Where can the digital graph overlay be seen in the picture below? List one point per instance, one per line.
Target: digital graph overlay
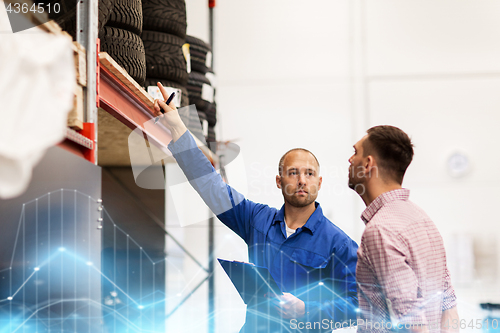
(59, 280)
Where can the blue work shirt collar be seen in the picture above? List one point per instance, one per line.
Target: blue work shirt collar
(311, 224)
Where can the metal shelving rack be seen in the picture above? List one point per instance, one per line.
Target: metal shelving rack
(105, 90)
(87, 12)
(211, 221)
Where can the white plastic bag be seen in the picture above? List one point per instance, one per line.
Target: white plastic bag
(37, 81)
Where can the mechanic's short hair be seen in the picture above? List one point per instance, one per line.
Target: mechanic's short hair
(282, 159)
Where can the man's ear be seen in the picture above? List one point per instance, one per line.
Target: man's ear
(371, 167)
(278, 181)
(320, 181)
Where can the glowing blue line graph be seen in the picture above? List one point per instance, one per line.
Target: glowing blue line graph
(44, 278)
(53, 253)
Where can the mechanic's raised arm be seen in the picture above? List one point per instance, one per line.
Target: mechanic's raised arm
(219, 197)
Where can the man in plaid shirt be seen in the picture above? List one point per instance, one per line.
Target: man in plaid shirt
(403, 281)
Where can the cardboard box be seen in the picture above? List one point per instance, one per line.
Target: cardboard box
(80, 55)
(75, 116)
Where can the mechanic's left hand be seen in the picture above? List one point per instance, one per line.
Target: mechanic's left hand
(290, 307)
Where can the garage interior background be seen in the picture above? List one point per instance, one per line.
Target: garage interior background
(317, 75)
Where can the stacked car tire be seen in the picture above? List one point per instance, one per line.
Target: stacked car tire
(146, 37)
(164, 33)
(66, 16)
(120, 26)
(211, 114)
(120, 38)
(201, 88)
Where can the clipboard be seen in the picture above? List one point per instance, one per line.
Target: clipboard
(254, 283)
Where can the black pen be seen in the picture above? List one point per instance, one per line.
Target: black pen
(167, 102)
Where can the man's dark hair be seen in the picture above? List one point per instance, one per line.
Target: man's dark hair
(282, 159)
(392, 148)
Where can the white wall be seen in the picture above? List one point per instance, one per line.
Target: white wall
(433, 69)
(317, 74)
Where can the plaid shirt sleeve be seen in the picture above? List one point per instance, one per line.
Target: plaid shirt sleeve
(449, 299)
(388, 252)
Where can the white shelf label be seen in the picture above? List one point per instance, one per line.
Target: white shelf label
(154, 91)
(208, 61)
(205, 128)
(212, 78)
(207, 93)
